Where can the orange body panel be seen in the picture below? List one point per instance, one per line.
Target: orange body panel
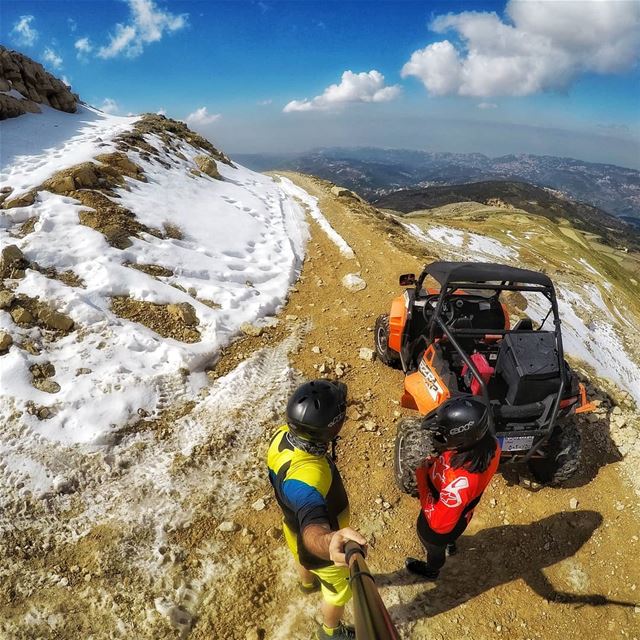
(424, 390)
(397, 318)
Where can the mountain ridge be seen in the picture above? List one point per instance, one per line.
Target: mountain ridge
(374, 172)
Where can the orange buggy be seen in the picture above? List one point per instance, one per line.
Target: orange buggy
(457, 339)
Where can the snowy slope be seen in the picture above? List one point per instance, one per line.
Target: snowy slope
(242, 244)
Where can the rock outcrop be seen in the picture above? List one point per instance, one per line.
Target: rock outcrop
(33, 85)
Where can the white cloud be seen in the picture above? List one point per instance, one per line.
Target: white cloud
(52, 58)
(148, 24)
(66, 80)
(109, 105)
(353, 87)
(23, 31)
(161, 112)
(83, 47)
(539, 46)
(73, 25)
(201, 116)
(264, 103)
(487, 105)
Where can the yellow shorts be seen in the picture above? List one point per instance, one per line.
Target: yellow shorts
(334, 581)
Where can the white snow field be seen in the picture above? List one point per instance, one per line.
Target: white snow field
(590, 331)
(242, 246)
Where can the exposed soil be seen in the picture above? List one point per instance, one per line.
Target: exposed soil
(160, 318)
(530, 566)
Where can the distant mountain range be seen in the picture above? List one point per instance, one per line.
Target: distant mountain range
(374, 172)
(519, 195)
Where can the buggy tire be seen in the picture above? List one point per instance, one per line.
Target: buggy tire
(413, 445)
(563, 451)
(386, 355)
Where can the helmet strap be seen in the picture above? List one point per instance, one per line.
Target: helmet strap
(308, 446)
(334, 442)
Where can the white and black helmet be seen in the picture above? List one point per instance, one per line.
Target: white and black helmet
(459, 423)
(316, 410)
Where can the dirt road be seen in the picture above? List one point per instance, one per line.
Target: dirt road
(530, 566)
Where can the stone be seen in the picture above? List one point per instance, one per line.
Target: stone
(616, 411)
(275, 533)
(6, 299)
(47, 385)
(207, 165)
(366, 354)
(343, 192)
(24, 200)
(85, 176)
(291, 318)
(21, 315)
(183, 312)
(5, 341)
(82, 371)
(316, 349)
(228, 527)
(54, 320)
(573, 503)
(258, 505)
(60, 184)
(370, 425)
(251, 330)
(12, 262)
(353, 282)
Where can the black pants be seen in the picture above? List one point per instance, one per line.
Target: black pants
(435, 544)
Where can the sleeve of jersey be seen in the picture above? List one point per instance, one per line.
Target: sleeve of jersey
(445, 514)
(305, 491)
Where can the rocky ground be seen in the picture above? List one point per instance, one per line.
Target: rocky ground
(536, 563)
(191, 546)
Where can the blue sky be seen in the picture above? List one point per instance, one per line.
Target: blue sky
(520, 77)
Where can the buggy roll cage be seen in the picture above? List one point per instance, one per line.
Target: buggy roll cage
(453, 276)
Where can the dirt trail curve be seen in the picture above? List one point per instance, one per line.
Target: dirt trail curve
(530, 566)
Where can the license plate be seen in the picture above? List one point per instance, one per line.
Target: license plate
(516, 443)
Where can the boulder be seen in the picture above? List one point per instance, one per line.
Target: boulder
(54, 320)
(251, 330)
(85, 177)
(34, 83)
(367, 354)
(6, 299)
(60, 184)
(353, 282)
(12, 262)
(342, 192)
(23, 200)
(46, 385)
(207, 165)
(183, 312)
(21, 315)
(5, 341)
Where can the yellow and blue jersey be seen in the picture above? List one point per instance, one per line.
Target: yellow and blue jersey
(308, 489)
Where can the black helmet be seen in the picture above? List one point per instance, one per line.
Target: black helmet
(459, 423)
(316, 410)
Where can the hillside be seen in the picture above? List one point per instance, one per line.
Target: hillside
(158, 304)
(375, 172)
(517, 195)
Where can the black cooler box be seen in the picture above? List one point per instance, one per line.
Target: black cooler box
(528, 363)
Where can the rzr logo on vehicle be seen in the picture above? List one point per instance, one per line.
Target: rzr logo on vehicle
(450, 495)
(433, 387)
(462, 428)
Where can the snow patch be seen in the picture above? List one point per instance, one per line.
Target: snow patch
(314, 211)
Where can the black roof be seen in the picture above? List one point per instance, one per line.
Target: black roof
(445, 272)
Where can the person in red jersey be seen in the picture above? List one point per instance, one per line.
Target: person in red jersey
(451, 483)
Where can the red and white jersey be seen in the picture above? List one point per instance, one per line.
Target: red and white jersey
(457, 491)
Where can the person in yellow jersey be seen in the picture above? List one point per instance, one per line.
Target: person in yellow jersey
(314, 503)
